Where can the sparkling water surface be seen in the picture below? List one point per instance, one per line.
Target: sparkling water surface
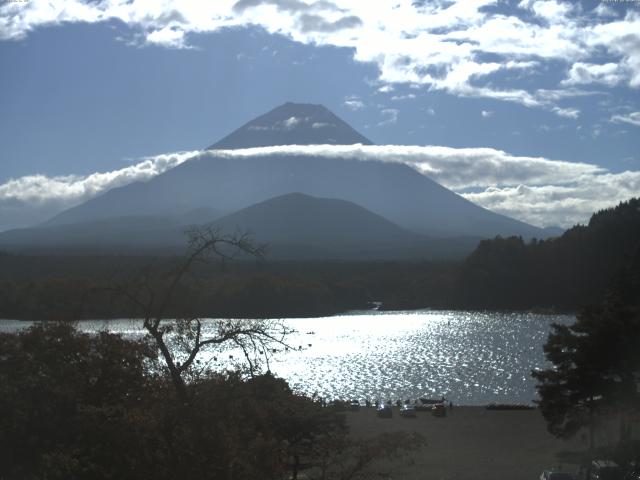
(471, 358)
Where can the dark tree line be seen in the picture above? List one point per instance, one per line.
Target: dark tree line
(240, 290)
(562, 273)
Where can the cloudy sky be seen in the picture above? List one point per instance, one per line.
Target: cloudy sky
(530, 108)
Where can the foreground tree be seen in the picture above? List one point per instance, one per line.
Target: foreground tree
(596, 362)
(181, 340)
(74, 405)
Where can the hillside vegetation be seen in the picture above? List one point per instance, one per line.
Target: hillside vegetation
(560, 274)
(564, 273)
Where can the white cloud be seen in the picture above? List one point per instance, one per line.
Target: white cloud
(540, 98)
(560, 205)
(567, 112)
(168, 37)
(408, 96)
(631, 119)
(621, 40)
(354, 104)
(486, 113)
(603, 10)
(34, 198)
(584, 73)
(40, 188)
(549, 10)
(390, 116)
(536, 190)
(456, 168)
(439, 45)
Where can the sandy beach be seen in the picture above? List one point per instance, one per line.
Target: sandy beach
(471, 443)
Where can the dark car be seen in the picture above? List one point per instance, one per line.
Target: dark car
(439, 410)
(408, 411)
(384, 411)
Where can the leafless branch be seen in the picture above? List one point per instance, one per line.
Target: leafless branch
(153, 295)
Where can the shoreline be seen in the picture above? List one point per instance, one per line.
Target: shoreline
(337, 313)
(470, 443)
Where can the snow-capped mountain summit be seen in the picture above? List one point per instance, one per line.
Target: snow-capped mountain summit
(292, 124)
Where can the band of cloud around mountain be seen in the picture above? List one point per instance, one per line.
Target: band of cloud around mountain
(306, 149)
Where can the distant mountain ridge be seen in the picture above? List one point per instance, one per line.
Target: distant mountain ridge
(298, 226)
(303, 218)
(294, 226)
(226, 184)
(126, 233)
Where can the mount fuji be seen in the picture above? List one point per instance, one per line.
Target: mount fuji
(210, 186)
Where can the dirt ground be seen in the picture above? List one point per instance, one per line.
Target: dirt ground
(472, 443)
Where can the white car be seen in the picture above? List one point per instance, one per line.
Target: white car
(553, 474)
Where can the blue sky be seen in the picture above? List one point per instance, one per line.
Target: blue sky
(91, 91)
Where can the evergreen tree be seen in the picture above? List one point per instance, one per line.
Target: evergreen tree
(596, 361)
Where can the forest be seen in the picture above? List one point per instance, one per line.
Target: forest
(560, 274)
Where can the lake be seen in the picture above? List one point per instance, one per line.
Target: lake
(471, 358)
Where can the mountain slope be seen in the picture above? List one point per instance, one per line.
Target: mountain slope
(299, 218)
(110, 234)
(298, 226)
(394, 191)
(228, 183)
(294, 226)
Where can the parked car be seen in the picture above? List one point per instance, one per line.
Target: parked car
(605, 470)
(384, 411)
(354, 405)
(439, 410)
(554, 474)
(408, 411)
